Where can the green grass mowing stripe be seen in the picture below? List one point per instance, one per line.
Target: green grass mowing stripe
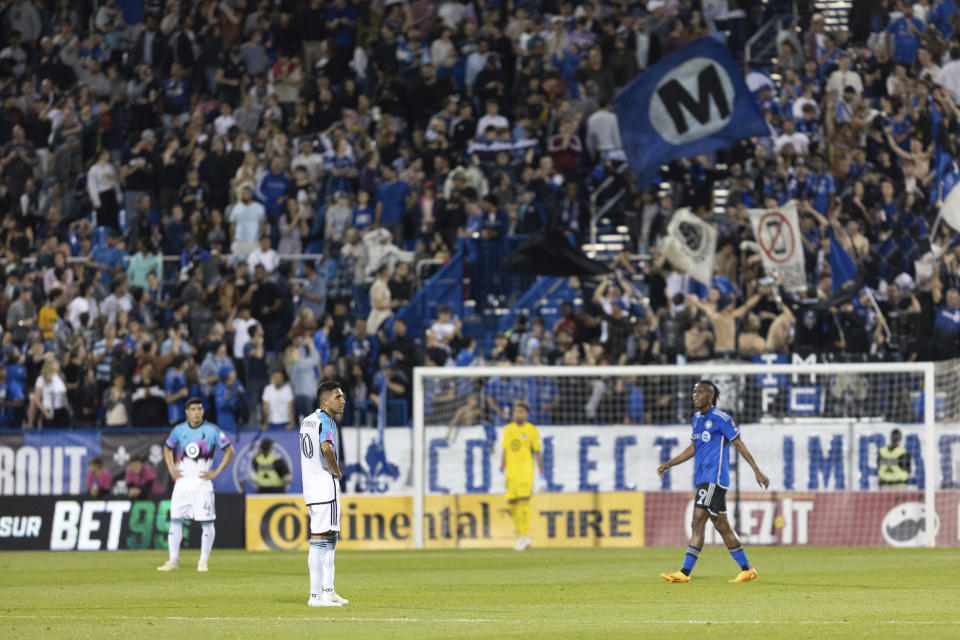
(543, 593)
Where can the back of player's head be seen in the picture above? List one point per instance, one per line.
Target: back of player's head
(325, 388)
(194, 400)
(265, 445)
(716, 391)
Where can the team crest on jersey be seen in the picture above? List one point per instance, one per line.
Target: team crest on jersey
(709, 424)
(192, 450)
(705, 436)
(523, 436)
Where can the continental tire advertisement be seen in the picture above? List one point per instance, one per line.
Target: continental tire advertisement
(89, 524)
(465, 522)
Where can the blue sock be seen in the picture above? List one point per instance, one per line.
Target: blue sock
(740, 557)
(689, 560)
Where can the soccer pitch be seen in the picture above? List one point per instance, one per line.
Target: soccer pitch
(592, 593)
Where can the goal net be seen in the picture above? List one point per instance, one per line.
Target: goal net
(816, 430)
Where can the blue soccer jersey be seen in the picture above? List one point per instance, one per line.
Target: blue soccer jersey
(711, 436)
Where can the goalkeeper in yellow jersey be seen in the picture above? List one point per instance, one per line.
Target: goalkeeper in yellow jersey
(521, 443)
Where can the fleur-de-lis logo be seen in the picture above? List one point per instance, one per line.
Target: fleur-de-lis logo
(372, 476)
(121, 456)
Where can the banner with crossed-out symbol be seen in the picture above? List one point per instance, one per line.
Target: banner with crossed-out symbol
(777, 232)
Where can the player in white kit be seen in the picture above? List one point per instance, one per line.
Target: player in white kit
(321, 491)
(188, 452)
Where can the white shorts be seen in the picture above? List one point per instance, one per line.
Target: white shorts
(192, 505)
(325, 516)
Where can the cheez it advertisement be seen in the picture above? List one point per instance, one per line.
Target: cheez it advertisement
(473, 521)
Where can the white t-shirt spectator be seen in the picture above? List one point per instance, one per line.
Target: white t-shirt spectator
(222, 124)
(840, 80)
(269, 259)
(442, 331)
(54, 393)
(799, 141)
(950, 79)
(312, 162)
(112, 305)
(278, 403)
(603, 132)
(451, 13)
(79, 306)
(497, 121)
(247, 217)
(798, 105)
(241, 335)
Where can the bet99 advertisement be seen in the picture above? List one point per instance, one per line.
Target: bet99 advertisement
(88, 524)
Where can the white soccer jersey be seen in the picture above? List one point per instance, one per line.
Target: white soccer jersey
(319, 486)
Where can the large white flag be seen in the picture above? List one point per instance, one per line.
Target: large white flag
(950, 209)
(690, 245)
(777, 231)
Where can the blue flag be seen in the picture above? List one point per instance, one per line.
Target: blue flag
(693, 101)
(842, 267)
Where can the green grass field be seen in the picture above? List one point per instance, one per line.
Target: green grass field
(802, 593)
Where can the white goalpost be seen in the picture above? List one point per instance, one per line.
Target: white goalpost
(815, 430)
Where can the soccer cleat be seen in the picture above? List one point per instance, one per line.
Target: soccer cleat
(202, 566)
(337, 598)
(325, 600)
(676, 576)
(746, 576)
(523, 542)
(169, 565)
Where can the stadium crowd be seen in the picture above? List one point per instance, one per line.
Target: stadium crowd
(233, 136)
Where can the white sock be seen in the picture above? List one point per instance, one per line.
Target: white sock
(315, 564)
(174, 538)
(328, 569)
(206, 540)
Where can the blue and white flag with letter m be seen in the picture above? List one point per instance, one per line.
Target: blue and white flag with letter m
(693, 101)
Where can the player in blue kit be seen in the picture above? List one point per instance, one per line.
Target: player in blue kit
(713, 431)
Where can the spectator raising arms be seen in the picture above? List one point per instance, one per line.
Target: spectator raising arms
(220, 142)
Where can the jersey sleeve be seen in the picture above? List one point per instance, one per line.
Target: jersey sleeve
(728, 428)
(503, 440)
(327, 430)
(535, 440)
(222, 440)
(171, 440)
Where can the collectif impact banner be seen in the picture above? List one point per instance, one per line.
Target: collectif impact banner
(813, 456)
(109, 524)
